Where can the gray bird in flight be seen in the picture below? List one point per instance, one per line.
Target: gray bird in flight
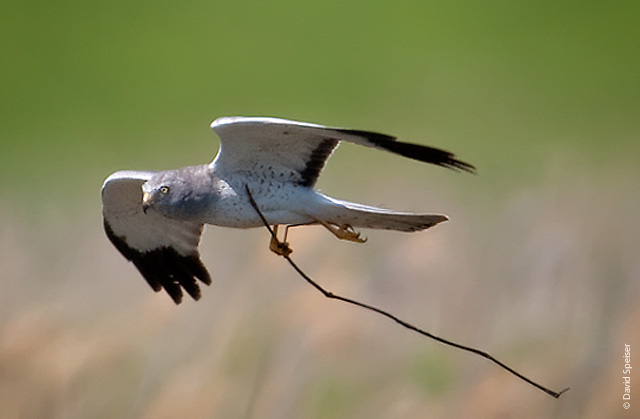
(155, 219)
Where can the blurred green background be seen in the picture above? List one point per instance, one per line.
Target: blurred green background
(539, 265)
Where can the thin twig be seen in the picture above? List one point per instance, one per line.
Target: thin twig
(409, 326)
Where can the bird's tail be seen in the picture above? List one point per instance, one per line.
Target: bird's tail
(335, 211)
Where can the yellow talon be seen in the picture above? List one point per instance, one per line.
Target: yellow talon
(344, 232)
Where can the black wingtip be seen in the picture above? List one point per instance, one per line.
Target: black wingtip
(173, 272)
(164, 268)
(413, 151)
(428, 154)
(455, 164)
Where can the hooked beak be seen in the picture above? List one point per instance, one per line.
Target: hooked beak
(145, 202)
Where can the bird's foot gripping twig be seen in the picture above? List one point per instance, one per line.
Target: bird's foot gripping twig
(388, 315)
(280, 248)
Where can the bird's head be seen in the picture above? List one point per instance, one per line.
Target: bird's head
(175, 193)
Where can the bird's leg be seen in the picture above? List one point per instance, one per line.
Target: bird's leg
(278, 247)
(282, 247)
(288, 226)
(286, 232)
(344, 232)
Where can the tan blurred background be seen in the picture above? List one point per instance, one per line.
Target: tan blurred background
(539, 264)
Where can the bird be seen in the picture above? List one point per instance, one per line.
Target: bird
(155, 218)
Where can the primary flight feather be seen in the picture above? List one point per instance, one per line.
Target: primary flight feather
(155, 219)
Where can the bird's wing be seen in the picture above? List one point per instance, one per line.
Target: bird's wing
(164, 250)
(297, 151)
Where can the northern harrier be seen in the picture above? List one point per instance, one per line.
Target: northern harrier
(155, 219)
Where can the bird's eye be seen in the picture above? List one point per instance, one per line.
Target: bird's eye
(164, 190)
